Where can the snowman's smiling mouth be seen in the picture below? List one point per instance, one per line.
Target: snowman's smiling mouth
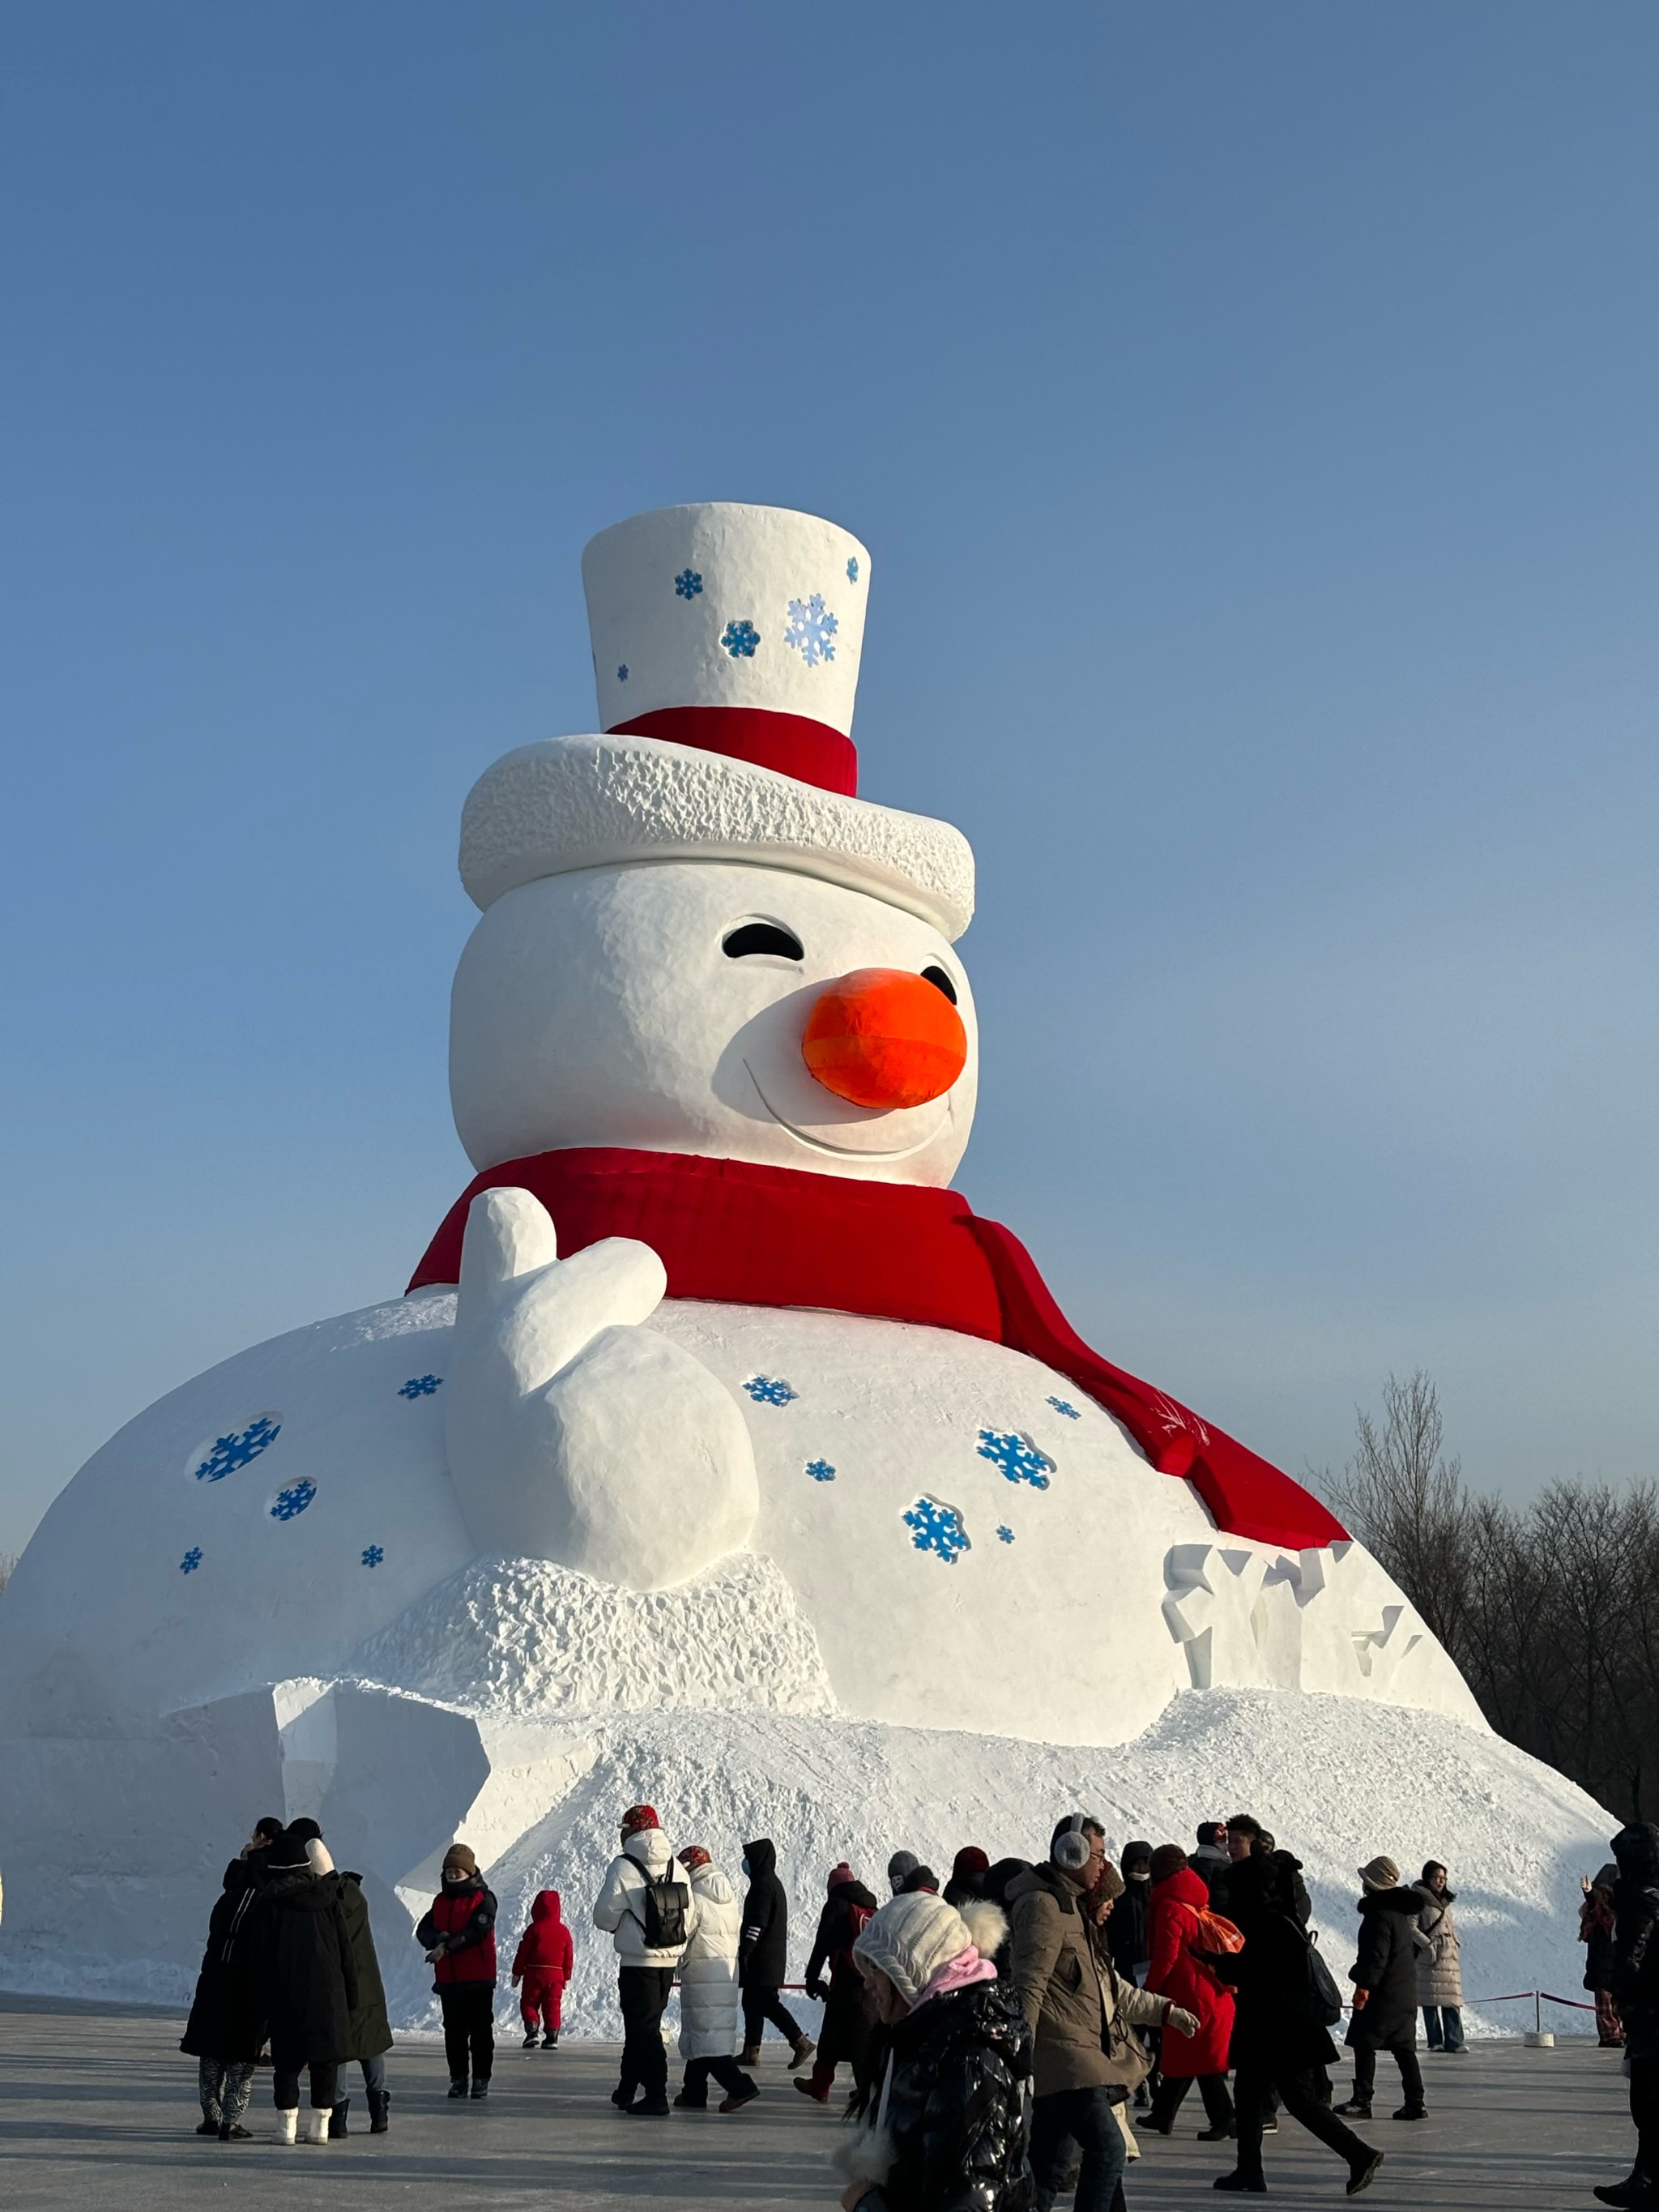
(849, 1152)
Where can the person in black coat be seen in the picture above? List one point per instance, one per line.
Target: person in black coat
(1635, 1984)
(370, 2030)
(848, 2017)
(307, 1979)
(1281, 2045)
(944, 2128)
(762, 1957)
(1384, 1977)
(224, 2031)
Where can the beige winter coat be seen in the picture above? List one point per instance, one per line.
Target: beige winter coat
(1079, 2011)
(1439, 1971)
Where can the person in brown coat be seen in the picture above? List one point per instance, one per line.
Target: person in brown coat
(1086, 2059)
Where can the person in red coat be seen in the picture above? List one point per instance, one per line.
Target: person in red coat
(1179, 1895)
(542, 1966)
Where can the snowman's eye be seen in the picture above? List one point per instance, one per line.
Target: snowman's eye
(940, 982)
(762, 937)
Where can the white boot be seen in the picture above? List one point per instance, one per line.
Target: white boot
(317, 2125)
(286, 2124)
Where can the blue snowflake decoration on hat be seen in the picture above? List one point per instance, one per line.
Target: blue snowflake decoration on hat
(811, 630)
(769, 1390)
(852, 570)
(740, 638)
(1061, 1406)
(937, 1528)
(372, 1555)
(420, 1385)
(688, 583)
(820, 1470)
(192, 1560)
(621, 671)
(1005, 1533)
(1018, 1456)
(288, 1504)
(236, 1450)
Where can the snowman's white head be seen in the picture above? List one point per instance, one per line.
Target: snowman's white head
(695, 939)
(665, 1006)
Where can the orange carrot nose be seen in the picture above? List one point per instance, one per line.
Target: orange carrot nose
(883, 1038)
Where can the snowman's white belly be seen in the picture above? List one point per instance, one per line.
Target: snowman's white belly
(326, 1507)
(975, 1543)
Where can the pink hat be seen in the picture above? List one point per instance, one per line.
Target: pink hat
(839, 1875)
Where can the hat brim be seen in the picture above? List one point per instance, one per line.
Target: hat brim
(597, 801)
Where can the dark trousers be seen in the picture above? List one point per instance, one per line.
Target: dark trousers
(1299, 2093)
(468, 2010)
(1364, 2070)
(642, 1993)
(726, 2071)
(285, 2086)
(758, 2007)
(1083, 2117)
(1442, 2026)
(1171, 2092)
(1645, 2110)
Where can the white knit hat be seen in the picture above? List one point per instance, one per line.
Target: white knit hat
(909, 1939)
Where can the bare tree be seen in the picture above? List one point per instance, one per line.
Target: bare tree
(1551, 1610)
(1406, 1502)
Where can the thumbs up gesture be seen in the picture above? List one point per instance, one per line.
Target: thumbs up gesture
(574, 1432)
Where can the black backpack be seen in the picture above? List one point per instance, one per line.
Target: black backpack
(664, 1917)
(1320, 1999)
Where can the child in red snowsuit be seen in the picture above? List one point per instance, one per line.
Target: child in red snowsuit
(543, 1963)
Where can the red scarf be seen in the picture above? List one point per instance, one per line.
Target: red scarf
(742, 1235)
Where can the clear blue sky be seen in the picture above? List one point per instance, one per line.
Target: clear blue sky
(1252, 411)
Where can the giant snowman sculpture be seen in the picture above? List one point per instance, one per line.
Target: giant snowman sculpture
(717, 1454)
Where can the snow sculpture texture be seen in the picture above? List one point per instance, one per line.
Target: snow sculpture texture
(718, 1444)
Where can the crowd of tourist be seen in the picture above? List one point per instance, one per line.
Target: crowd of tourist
(1004, 2030)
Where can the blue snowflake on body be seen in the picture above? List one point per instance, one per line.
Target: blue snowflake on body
(937, 1528)
(688, 583)
(811, 630)
(1018, 1456)
(852, 570)
(288, 1504)
(373, 1555)
(192, 1560)
(228, 1453)
(740, 638)
(420, 1385)
(820, 1470)
(1070, 1412)
(769, 1390)
(621, 671)
(1005, 1533)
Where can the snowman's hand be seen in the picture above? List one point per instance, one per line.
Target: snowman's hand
(538, 1310)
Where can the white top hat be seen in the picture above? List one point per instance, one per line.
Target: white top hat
(726, 642)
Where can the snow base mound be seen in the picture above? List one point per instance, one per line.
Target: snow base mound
(525, 1637)
(394, 1777)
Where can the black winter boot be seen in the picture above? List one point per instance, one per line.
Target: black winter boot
(1246, 2184)
(337, 2120)
(379, 2114)
(457, 2084)
(1635, 2195)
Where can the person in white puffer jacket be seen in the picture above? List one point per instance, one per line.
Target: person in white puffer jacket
(645, 1976)
(710, 2000)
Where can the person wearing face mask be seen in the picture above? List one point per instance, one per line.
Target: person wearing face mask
(763, 1958)
(1087, 2058)
(458, 1937)
(1129, 1939)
